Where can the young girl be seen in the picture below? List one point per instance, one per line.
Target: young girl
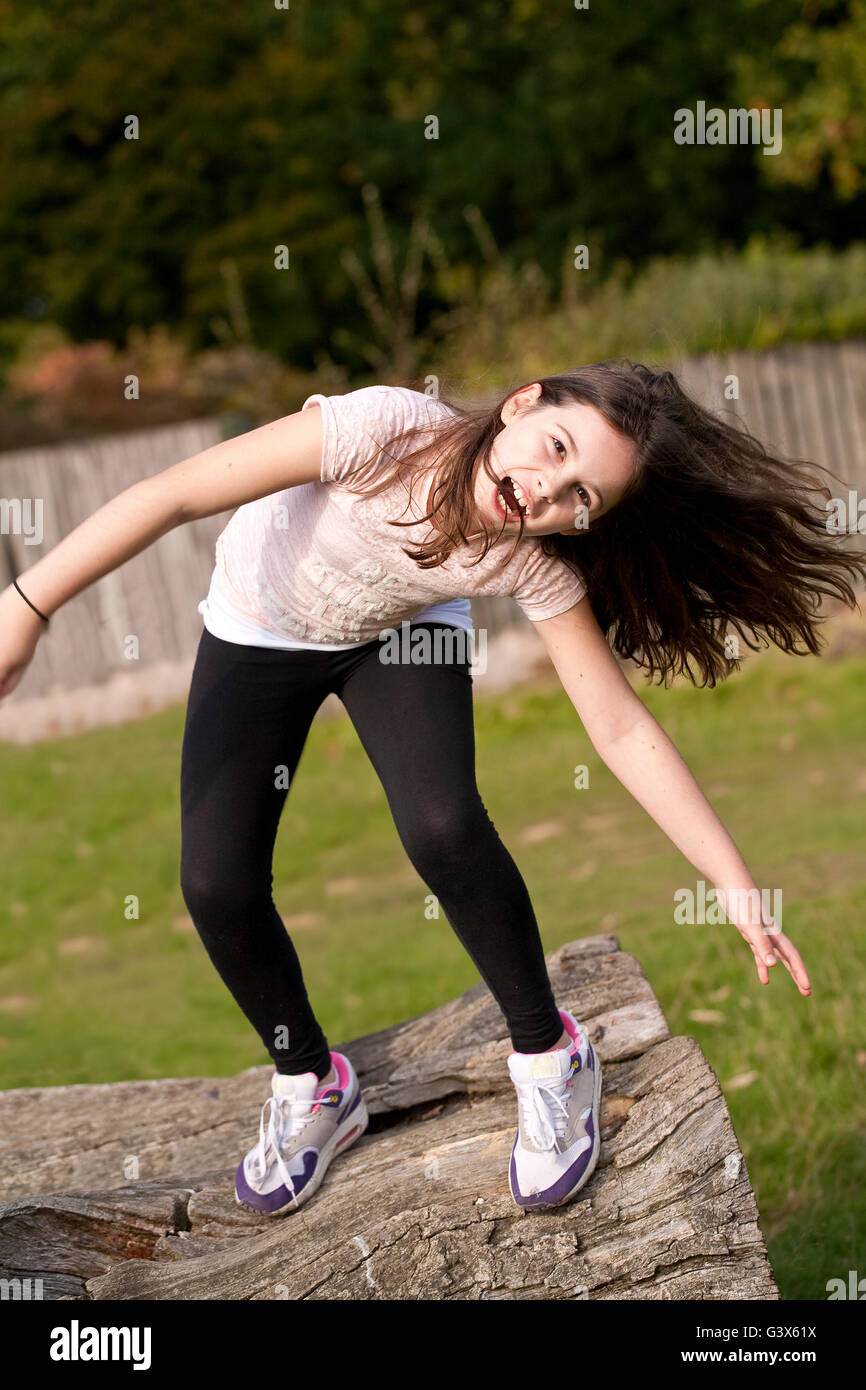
(617, 512)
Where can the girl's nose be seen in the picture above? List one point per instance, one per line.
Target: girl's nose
(550, 491)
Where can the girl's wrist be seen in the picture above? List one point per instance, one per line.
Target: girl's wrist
(43, 617)
(19, 608)
(743, 903)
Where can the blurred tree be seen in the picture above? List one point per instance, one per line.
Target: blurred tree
(258, 128)
(818, 79)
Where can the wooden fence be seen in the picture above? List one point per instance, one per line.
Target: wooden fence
(804, 400)
(154, 595)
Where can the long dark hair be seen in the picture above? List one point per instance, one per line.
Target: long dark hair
(711, 533)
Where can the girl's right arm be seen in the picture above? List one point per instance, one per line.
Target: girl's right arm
(266, 460)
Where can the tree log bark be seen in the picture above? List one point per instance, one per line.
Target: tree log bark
(125, 1191)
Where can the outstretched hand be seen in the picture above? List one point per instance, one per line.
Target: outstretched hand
(768, 942)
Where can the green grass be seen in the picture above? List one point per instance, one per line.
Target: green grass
(91, 992)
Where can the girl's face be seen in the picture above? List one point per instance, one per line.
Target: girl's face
(567, 466)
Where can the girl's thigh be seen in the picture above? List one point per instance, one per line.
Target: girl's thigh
(248, 715)
(415, 722)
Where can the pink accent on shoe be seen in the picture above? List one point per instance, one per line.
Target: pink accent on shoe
(570, 1028)
(341, 1082)
(346, 1137)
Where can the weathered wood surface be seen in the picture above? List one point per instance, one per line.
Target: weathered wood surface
(419, 1208)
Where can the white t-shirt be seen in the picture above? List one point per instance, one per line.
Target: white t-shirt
(317, 565)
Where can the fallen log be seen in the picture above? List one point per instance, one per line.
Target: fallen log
(125, 1191)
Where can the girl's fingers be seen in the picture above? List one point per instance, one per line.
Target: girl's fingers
(762, 965)
(769, 948)
(790, 957)
(793, 962)
(764, 952)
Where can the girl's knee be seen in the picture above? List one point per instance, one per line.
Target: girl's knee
(214, 892)
(443, 836)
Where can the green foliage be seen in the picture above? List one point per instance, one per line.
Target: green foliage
(771, 292)
(504, 324)
(260, 127)
(56, 390)
(818, 78)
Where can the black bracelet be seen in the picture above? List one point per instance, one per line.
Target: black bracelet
(45, 620)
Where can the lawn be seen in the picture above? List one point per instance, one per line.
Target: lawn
(103, 978)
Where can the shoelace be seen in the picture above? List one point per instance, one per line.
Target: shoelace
(543, 1124)
(288, 1124)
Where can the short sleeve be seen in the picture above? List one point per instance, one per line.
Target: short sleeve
(355, 426)
(547, 586)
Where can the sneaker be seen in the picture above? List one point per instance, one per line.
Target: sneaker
(310, 1122)
(557, 1143)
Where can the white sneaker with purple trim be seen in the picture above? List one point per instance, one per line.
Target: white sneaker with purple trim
(309, 1124)
(558, 1097)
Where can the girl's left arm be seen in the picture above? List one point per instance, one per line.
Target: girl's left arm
(639, 753)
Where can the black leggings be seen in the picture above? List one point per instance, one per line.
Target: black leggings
(249, 712)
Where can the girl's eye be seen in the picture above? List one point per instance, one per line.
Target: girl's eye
(577, 487)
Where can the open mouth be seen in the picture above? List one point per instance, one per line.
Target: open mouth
(507, 503)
